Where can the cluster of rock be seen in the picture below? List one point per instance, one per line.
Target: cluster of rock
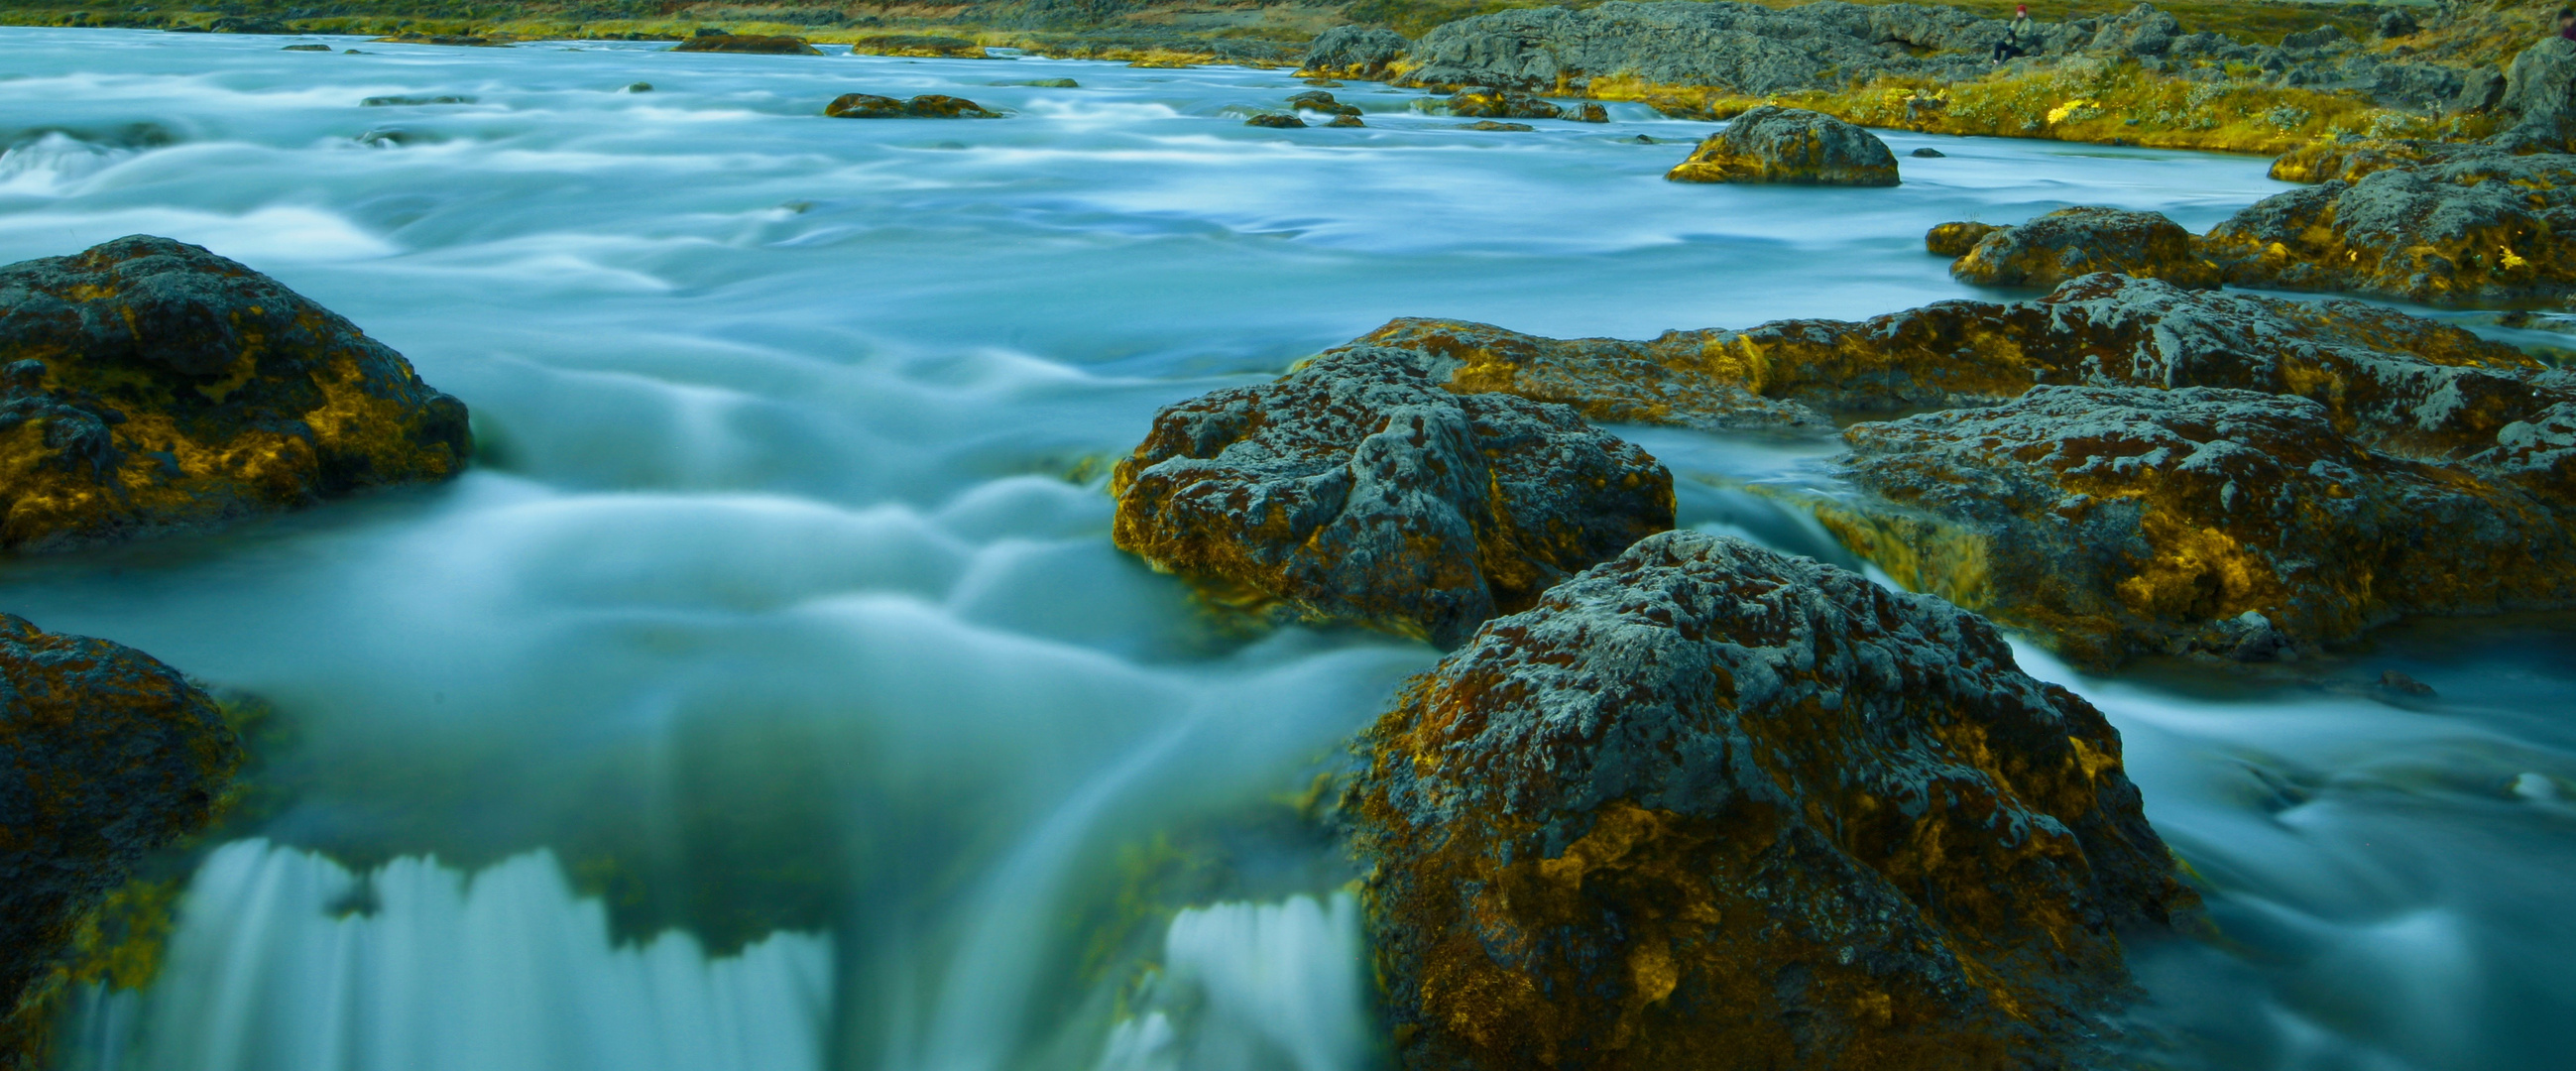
(1487, 102)
(1755, 50)
(925, 106)
(2473, 224)
(149, 386)
(1671, 794)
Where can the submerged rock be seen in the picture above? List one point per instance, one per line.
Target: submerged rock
(1346, 121)
(1488, 124)
(1927, 152)
(1706, 804)
(1485, 102)
(109, 754)
(763, 44)
(2074, 242)
(2136, 519)
(1353, 52)
(925, 46)
(148, 385)
(926, 106)
(2484, 226)
(1279, 121)
(1357, 488)
(1790, 145)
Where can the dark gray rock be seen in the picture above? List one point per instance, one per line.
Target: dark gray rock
(1790, 145)
(2480, 90)
(2540, 91)
(1358, 488)
(148, 385)
(1316, 100)
(1276, 121)
(105, 754)
(1353, 52)
(1927, 153)
(1685, 806)
(2396, 22)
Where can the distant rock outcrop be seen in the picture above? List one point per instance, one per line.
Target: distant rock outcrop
(108, 754)
(148, 385)
(924, 46)
(1790, 145)
(926, 106)
(1708, 804)
(1353, 52)
(1357, 488)
(2074, 242)
(762, 44)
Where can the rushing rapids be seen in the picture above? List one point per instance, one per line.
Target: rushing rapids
(769, 693)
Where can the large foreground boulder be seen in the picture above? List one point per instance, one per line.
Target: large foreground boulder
(105, 754)
(1706, 805)
(1357, 489)
(2074, 242)
(2131, 520)
(1790, 145)
(148, 385)
(2487, 226)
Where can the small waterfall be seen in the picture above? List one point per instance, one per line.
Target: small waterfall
(1253, 987)
(285, 961)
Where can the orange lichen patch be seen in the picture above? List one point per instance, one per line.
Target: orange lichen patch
(1665, 817)
(152, 386)
(1955, 239)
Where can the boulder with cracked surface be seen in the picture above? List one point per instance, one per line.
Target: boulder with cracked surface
(1710, 805)
(2073, 242)
(2129, 520)
(2484, 226)
(1790, 145)
(1353, 52)
(1359, 488)
(147, 385)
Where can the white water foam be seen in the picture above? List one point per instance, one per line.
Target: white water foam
(276, 969)
(1253, 987)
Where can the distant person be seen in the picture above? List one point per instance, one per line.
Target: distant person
(2567, 23)
(2015, 35)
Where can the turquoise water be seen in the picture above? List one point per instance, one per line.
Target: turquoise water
(769, 696)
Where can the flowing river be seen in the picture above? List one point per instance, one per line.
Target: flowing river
(769, 696)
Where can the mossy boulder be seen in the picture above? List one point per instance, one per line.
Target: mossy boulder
(2482, 227)
(1358, 53)
(926, 106)
(1706, 805)
(105, 754)
(1276, 121)
(1955, 239)
(2129, 520)
(2074, 242)
(147, 385)
(1790, 145)
(1357, 488)
(760, 44)
(923, 46)
(1490, 126)
(1316, 100)
(1487, 102)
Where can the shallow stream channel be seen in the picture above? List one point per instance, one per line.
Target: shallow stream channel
(769, 697)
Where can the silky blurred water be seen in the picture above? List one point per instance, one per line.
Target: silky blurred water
(780, 618)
